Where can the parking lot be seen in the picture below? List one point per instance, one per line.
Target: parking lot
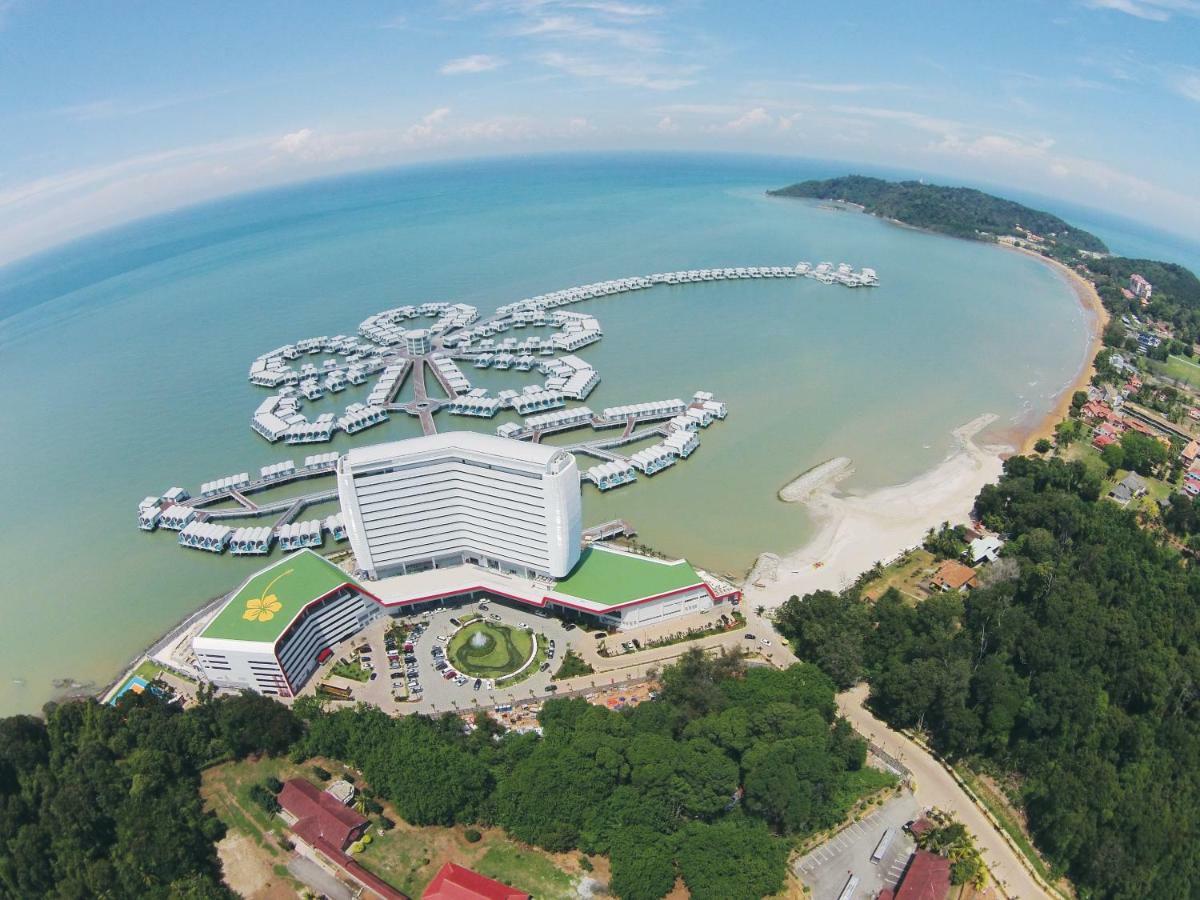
(828, 868)
(420, 672)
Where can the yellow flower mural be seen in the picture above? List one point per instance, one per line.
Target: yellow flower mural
(263, 609)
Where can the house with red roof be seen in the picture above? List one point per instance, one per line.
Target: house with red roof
(328, 826)
(454, 882)
(926, 878)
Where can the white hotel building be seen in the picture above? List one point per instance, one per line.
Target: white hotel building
(461, 497)
(449, 518)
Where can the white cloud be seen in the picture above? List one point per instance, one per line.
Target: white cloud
(294, 142)
(1187, 84)
(666, 125)
(753, 118)
(394, 23)
(1151, 10)
(654, 77)
(471, 65)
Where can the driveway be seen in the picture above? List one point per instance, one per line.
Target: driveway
(935, 787)
(826, 869)
(309, 873)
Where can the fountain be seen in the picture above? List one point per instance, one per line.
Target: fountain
(479, 640)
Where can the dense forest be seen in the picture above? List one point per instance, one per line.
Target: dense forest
(1074, 670)
(655, 788)
(103, 801)
(958, 211)
(99, 801)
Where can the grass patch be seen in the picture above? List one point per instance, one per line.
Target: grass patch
(1178, 368)
(999, 807)
(573, 666)
(905, 575)
(526, 870)
(540, 657)
(501, 649)
(226, 789)
(353, 671)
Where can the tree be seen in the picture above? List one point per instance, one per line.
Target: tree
(736, 859)
(642, 864)
(1042, 446)
(1142, 453)
(827, 630)
(1113, 456)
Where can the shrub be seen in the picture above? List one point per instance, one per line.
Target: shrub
(472, 835)
(585, 864)
(322, 774)
(261, 795)
(1042, 446)
(274, 785)
(356, 847)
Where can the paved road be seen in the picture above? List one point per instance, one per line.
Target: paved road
(310, 873)
(827, 868)
(935, 787)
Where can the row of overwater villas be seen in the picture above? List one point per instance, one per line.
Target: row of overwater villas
(677, 445)
(451, 374)
(272, 368)
(843, 274)
(465, 344)
(389, 381)
(649, 411)
(384, 328)
(279, 417)
(151, 509)
(558, 420)
(215, 537)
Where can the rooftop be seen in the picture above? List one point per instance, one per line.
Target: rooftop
(612, 577)
(455, 882)
(462, 441)
(263, 607)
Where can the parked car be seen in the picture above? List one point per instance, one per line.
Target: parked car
(765, 642)
(543, 667)
(570, 626)
(442, 667)
(374, 675)
(751, 637)
(552, 688)
(396, 675)
(494, 616)
(478, 683)
(483, 607)
(455, 622)
(443, 638)
(524, 625)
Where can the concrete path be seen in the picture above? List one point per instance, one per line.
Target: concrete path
(317, 879)
(935, 787)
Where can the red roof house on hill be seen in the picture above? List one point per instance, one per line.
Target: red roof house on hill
(926, 878)
(320, 818)
(453, 882)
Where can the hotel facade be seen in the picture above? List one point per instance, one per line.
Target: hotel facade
(440, 520)
(461, 498)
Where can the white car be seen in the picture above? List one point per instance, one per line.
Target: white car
(765, 642)
(443, 638)
(523, 625)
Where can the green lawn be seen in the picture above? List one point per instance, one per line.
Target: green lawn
(502, 649)
(1179, 368)
(351, 670)
(527, 870)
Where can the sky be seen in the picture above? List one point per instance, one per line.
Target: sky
(113, 111)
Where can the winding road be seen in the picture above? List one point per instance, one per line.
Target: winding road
(935, 787)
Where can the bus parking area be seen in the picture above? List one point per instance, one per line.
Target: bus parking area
(829, 869)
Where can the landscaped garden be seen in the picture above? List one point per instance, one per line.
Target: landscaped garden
(488, 650)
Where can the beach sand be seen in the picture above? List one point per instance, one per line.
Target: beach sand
(858, 530)
(1090, 301)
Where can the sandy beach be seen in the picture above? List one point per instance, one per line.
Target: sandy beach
(858, 530)
(1090, 301)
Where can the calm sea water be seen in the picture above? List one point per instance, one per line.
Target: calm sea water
(126, 355)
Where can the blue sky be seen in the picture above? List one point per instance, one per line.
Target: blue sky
(111, 111)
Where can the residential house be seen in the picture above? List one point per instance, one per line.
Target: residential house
(1129, 488)
(984, 549)
(1190, 452)
(952, 575)
(1141, 288)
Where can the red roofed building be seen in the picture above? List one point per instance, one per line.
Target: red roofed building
(320, 817)
(926, 878)
(453, 882)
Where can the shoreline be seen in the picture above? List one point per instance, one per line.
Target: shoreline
(1089, 300)
(857, 530)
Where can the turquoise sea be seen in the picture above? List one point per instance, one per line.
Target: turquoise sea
(125, 356)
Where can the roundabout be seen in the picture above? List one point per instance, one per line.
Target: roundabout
(488, 650)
